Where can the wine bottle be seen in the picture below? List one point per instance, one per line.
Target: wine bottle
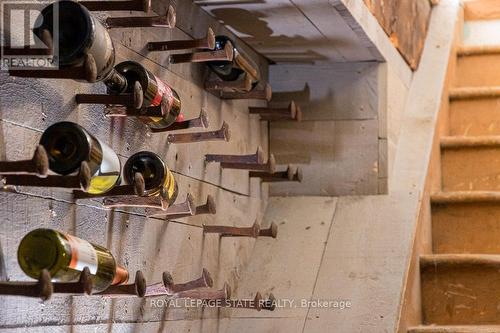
(154, 89)
(157, 176)
(68, 145)
(232, 70)
(79, 34)
(65, 256)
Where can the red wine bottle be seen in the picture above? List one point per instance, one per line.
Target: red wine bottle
(154, 89)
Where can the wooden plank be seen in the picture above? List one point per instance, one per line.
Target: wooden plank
(324, 151)
(405, 22)
(334, 92)
(271, 28)
(481, 10)
(273, 268)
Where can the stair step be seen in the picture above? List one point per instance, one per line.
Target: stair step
(456, 329)
(477, 116)
(474, 92)
(482, 10)
(477, 66)
(471, 50)
(460, 289)
(466, 222)
(470, 163)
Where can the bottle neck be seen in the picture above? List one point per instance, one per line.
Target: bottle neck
(116, 82)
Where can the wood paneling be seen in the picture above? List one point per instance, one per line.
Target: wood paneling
(405, 22)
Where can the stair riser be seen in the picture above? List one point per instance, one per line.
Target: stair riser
(478, 70)
(461, 294)
(466, 228)
(471, 169)
(475, 117)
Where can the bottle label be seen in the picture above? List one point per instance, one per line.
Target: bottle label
(170, 184)
(163, 92)
(83, 254)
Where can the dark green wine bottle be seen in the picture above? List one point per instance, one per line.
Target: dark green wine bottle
(65, 256)
(154, 89)
(157, 176)
(79, 34)
(232, 70)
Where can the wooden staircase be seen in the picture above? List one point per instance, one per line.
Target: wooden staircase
(460, 279)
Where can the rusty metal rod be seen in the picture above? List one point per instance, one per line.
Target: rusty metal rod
(220, 55)
(149, 111)
(180, 210)
(282, 116)
(206, 294)
(78, 181)
(87, 72)
(207, 42)
(205, 281)
(162, 21)
(208, 208)
(37, 165)
(200, 121)
(258, 157)
(264, 94)
(156, 202)
(272, 231)
(43, 288)
(255, 303)
(289, 111)
(240, 85)
(281, 176)
(133, 100)
(230, 231)
(120, 5)
(221, 134)
(254, 231)
(270, 166)
(137, 188)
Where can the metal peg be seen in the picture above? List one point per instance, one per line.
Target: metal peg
(162, 21)
(222, 134)
(78, 181)
(37, 165)
(200, 121)
(207, 42)
(225, 54)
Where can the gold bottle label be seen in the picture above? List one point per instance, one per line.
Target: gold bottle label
(83, 254)
(170, 184)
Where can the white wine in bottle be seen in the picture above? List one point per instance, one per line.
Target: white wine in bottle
(157, 176)
(68, 145)
(65, 256)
